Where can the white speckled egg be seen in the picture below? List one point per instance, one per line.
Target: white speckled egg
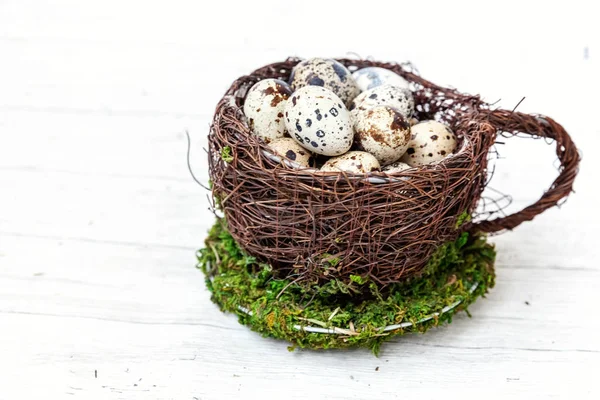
(384, 95)
(358, 162)
(383, 132)
(371, 77)
(398, 166)
(288, 148)
(431, 141)
(327, 73)
(264, 106)
(318, 119)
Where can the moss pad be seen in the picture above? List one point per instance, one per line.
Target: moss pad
(344, 314)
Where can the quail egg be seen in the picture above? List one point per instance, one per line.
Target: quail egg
(327, 73)
(264, 106)
(398, 166)
(319, 121)
(371, 77)
(383, 132)
(290, 149)
(358, 162)
(431, 141)
(399, 98)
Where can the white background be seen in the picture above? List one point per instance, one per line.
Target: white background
(99, 219)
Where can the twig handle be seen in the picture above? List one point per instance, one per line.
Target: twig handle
(568, 155)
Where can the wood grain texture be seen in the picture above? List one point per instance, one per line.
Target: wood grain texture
(99, 219)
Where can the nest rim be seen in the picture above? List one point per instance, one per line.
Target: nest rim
(235, 97)
(377, 177)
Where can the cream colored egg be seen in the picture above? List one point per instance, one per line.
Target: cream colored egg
(290, 149)
(431, 141)
(384, 95)
(319, 121)
(398, 166)
(358, 162)
(327, 73)
(264, 107)
(383, 132)
(371, 77)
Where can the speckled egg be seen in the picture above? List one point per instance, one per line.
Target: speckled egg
(398, 166)
(290, 149)
(264, 106)
(358, 162)
(327, 73)
(384, 95)
(383, 132)
(431, 141)
(371, 77)
(319, 121)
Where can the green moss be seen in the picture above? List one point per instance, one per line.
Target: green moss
(358, 279)
(226, 154)
(358, 308)
(215, 195)
(462, 219)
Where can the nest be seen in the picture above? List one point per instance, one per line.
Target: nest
(333, 226)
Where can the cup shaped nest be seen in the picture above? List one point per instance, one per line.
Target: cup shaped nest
(313, 226)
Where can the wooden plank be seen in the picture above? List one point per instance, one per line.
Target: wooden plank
(99, 219)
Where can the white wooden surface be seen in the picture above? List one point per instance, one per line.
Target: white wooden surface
(99, 219)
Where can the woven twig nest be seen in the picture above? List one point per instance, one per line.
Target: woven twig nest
(319, 227)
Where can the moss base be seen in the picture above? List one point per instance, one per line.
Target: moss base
(344, 314)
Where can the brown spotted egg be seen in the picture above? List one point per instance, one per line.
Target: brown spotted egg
(431, 141)
(319, 121)
(288, 148)
(383, 132)
(264, 106)
(384, 95)
(398, 166)
(358, 162)
(327, 73)
(371, 77)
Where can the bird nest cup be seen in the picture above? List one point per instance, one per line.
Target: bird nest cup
(329, 259)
